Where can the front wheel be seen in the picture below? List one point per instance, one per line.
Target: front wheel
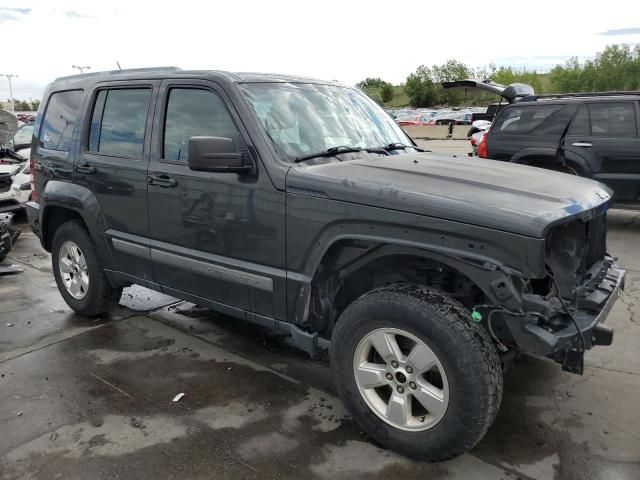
(415, 372)
(78, 273)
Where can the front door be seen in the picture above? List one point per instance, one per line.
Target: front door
(214, 236)
(112, 161)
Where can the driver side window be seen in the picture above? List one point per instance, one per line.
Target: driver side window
(194, 112)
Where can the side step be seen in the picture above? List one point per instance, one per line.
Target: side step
(295, 337)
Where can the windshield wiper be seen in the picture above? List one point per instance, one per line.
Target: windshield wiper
(401, 146)
(333, 151)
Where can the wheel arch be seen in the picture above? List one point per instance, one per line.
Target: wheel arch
(352, 266)
(552, 159)
(537, 155)
(64, 201)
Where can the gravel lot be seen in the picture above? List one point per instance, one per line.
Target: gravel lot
(82, 398)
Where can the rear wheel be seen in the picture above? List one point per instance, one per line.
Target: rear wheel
(78, 273)
(415, 373)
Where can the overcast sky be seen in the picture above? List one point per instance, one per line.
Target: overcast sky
(339, 40)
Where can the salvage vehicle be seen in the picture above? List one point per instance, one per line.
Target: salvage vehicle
(301, 206)
(15, 178)
(8, 235)
(594, 135)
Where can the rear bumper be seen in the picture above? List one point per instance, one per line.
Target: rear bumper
(549, 332)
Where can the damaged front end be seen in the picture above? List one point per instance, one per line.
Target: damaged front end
(562, 313)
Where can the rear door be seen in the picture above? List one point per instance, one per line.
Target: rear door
(54, 133)
(112, 162)
(527, 130)
(606, 135)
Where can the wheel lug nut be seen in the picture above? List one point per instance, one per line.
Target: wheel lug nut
(409, 370)
(400, 390)
(412, 385)
(394, 364)
(389, 376)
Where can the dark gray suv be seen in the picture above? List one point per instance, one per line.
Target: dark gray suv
(301, 206)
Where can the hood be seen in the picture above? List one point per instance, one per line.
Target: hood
(498, 195)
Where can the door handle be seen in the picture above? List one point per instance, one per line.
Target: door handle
(164, 181)
(85, 168)
(582, 144)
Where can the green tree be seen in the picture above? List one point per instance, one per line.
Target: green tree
(22, 106)
(617, 67)
(35, 105)
(377, 89)
(449, 71)
(420, 89)
(386, 92)
(370, 82)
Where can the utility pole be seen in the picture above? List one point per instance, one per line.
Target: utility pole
(9, 77)
(81, 68)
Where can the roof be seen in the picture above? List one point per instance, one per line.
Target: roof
(169, 72)
(580, 97)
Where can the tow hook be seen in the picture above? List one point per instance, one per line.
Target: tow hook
(574, 362)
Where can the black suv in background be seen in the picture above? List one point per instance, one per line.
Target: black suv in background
(301, 206)
(595, 136)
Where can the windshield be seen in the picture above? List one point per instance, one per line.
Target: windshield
(302, 119)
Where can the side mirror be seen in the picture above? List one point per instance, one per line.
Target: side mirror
(215, 154)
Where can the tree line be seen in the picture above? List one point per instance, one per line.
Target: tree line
(24, 105)
(617, 67)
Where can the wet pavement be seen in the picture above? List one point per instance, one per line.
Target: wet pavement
(86, 398)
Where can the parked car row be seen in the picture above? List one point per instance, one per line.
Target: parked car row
(420, 116)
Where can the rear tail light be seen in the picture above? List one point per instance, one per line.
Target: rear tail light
(482, 146)
(32, 170)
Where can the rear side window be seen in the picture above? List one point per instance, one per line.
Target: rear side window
(612, 119)
(118, 122)
(193, 112)
(60, 119)
(523, 119)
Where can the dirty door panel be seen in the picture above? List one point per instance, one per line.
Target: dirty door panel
(218, 236)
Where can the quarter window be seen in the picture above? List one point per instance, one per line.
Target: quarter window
(118, 122)
(194, 112)
(59, 120)
(523, 119)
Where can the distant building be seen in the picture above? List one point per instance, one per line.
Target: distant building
(5, 105)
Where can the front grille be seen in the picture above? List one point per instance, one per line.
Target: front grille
(573, 248)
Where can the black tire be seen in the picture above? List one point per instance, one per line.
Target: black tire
(100, 296)
(5, 242)
(463, 347)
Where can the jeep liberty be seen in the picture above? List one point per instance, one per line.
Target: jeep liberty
(301, 206)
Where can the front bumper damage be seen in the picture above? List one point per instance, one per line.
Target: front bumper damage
(546, 329)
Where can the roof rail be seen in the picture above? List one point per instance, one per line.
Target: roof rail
(121, 72)
(616, 93)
